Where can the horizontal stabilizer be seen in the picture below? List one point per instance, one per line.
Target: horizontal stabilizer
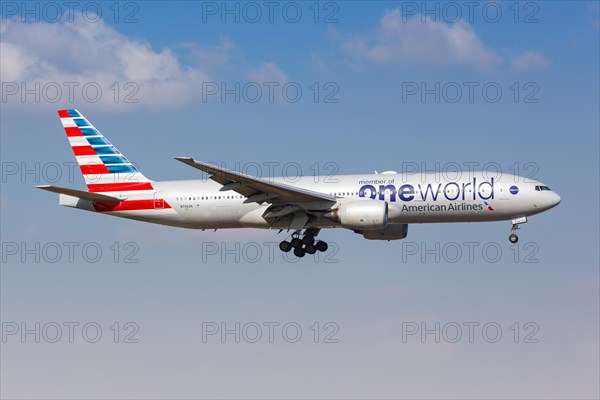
(82, 194)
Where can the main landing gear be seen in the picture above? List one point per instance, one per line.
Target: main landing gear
(513, 238)
(304, 245)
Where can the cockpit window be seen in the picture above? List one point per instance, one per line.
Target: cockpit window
(538, 188)
(541, 188)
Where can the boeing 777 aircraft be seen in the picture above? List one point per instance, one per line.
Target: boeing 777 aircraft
(377, 206)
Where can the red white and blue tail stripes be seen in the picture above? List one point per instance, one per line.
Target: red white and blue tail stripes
(103, 167)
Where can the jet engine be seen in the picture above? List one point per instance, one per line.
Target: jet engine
(361, 214)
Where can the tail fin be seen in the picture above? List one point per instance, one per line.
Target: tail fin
(103, 167)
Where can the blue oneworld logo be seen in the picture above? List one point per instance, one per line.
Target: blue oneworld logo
(451, 191)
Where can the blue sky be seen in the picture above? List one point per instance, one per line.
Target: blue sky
(366, 61)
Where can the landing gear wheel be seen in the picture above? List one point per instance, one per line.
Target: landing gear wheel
(296, 243)
(299, 252)
(307, 239)
(321, 245)
(285, 246)
(513, 238)
(310, 249)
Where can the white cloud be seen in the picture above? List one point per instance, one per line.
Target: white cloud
(530, 61)
(83, 52)
(398, 41)
(268, 72)
(270, 77)
(272, 81)
(210, 58)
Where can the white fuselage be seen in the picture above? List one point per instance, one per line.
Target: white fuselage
(415, 198)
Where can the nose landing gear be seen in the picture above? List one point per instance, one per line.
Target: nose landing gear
(513, 238)
(304, 245)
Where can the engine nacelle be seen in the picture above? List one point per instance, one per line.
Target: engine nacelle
(391, 232)
(362, 214)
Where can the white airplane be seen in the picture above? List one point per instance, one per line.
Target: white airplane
(377, 206)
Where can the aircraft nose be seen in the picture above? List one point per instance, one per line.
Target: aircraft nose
(555, 200)
(546, 200)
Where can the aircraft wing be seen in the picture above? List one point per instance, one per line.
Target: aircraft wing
(82, 194)
(260, 190)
